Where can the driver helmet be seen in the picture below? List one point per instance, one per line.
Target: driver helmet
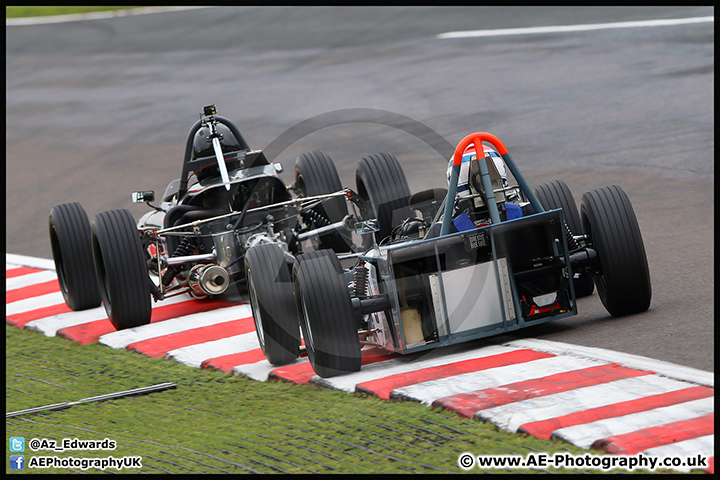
(203, 147)
(463, 189)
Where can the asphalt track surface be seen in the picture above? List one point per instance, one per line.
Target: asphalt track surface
(97, 109)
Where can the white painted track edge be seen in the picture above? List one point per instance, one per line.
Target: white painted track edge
(33, 262)
(670, 370)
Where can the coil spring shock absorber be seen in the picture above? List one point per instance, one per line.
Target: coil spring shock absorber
(313, 217)
(186, 247)
(360, 281)
(572, 244)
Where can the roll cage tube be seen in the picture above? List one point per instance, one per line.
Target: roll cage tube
(219, 155)
(187, 166)
(477, 139)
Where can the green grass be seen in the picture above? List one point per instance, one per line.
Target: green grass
(32, 11)
(219, 423)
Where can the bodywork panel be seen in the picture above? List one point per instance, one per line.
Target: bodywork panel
(476, 283)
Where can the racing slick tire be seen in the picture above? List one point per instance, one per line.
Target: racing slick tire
(381, 183)
(622, 277)
(316, 174)
(325, 311)
(121, 269)
(557, 194)
(272, 300)
(72, 253)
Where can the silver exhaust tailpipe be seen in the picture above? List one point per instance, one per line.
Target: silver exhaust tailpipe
(208, 279)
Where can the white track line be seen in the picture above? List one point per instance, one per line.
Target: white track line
(572, 28)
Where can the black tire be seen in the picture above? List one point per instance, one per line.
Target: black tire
(315, 174)
(72, 253)
(623, 276)
(273, 303)
(381, 183)
(325, 311)
(557, 194)
(121, 269)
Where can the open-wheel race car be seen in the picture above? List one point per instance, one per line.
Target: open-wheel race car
(229, 199)
(485, 256)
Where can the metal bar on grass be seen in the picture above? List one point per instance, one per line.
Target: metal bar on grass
(98, 398)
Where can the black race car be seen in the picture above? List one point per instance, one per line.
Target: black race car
(228, 199)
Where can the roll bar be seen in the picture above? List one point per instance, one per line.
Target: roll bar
(192, 165)
(477, 139)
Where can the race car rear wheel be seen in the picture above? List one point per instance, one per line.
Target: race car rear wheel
(316, 174)
(121, 270)
(273, 304)
(381, 183)
(557, 194)
(622, 277)
(72, 253)
(325, 311)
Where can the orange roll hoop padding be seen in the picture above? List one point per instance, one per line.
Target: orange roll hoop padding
(477, 139)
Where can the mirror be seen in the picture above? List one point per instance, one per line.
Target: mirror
(141, 197)
(368, 226)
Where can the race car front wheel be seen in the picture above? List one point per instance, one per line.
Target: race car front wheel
(121, 270)
(72, 253)
(273, 304)
(325, 311)
(381, 182)
(557, 194)
(622, 277)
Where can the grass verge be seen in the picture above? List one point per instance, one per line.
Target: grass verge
(41, 11)
(218, 423)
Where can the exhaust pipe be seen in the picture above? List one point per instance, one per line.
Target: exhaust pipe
(208, 279)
